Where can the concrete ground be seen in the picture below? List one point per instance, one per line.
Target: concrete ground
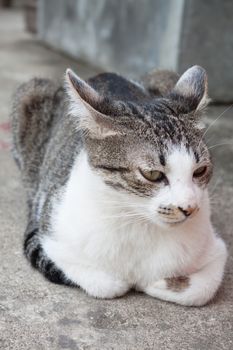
(35, 314)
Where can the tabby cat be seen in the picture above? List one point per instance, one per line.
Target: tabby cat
(116, 175)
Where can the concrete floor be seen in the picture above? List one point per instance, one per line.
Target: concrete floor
(35, 314)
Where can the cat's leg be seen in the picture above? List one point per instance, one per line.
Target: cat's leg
(196, 289)
(96, 283)
(56, 265)
(81, 272)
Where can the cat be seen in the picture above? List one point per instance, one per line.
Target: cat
(116, 174)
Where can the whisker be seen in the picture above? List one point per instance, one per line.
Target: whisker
(214, 203)
(209, 139)
(214, 199)
(120, 204)
(214, 121)
(214, 187)
(128, 223)
(221, 144)
(211, 124)
(120, 216)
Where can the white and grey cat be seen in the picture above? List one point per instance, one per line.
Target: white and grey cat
(116, 183)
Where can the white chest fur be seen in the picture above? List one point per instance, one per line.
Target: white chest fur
(93, 240)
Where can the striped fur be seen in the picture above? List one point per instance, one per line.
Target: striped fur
(39, 260)
(95, 219)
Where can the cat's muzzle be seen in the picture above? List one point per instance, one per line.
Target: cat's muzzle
(175, 215)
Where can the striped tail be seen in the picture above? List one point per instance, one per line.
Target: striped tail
(35, 254)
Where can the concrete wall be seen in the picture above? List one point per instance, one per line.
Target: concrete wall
(206, 39)
(134, 36)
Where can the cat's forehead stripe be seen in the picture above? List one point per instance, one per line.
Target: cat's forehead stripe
(196, 155)
(111, 168)
(162, 160)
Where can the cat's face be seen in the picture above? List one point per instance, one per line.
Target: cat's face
(169, 180)
(152, 155)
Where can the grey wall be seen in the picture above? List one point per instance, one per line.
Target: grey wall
(134, 36)
(207, 39)
(125, 35)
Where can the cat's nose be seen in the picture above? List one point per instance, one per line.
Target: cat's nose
(189, 210)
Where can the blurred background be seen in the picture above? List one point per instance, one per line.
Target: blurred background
(134, 36)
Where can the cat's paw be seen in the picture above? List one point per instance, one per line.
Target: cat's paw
(175, 284)
(101, 285)
(172, 289)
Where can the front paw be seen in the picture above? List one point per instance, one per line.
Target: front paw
(103, 286)
(175, 284)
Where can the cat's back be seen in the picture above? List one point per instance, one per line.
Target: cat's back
(154, 84)
(35, 104)
(119, 88)
(38, 106)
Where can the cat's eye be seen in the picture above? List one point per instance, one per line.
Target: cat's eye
(200, 171)
(153, 175)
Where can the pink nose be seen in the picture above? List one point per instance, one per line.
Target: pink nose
(188, 211)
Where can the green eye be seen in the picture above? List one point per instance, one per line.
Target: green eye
(153, 175)
(200, 171)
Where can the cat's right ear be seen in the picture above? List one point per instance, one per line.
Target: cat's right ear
(86, 105)
(191, 90)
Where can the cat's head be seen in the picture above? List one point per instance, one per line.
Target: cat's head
(153, 153)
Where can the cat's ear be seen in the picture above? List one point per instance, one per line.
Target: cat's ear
(86, 104)
(191, 90)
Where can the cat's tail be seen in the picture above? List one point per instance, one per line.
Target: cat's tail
(36, 255)
(159, 82)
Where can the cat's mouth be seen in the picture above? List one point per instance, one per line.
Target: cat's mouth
(173, 223)
(179, 221)
(176, 222)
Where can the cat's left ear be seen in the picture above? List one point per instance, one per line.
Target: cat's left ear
(89, 107)
(191, 90)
